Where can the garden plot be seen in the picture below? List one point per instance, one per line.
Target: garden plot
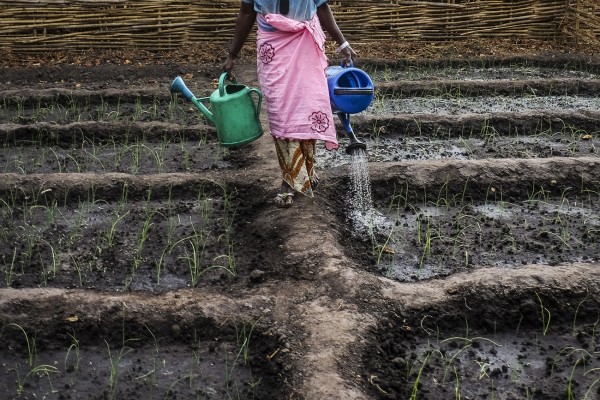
(500, 343)
(139, 256)
(546, 223)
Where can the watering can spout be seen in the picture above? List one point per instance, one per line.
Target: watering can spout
(178, 86)
(354, 144)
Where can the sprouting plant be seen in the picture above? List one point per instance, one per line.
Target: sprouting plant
(489, 133)
(539, 194)
(113, 228)
(74, 347)
(426, 248)
(228, 238)
(92, 152)
(158, 157)
(185, 155)
(171, 108)
(152, 372)
(77, 268)
(31, 347)
(102, 109)
(155, 107)
(115, 362)
(58, 164)
(55, 260)
(456, 385)
(417, 382)
(124, 197)
(39, 370)
(570, 395)
(384, 248)
(194, 259)
(8, 269)
(587, 393)
(576, 312)
(243, 339)
(136, 154)
(544, 314)
(20, 109)
(144, 233)
(116, 114)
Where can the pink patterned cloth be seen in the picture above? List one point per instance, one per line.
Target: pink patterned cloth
(291, 66)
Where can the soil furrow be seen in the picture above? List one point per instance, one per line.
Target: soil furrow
(462, 88)
(100, 133)
(479, 125)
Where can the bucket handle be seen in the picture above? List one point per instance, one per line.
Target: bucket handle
(222, 78)
(259, 101)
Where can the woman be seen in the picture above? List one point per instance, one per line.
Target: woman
(291, 64)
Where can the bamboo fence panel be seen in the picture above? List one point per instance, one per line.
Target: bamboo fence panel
(582, 21)
(33, 26)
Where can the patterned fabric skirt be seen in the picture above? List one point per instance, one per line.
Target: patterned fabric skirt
(297, 163)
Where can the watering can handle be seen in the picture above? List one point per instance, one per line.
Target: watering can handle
(259, 93)
(222, 78)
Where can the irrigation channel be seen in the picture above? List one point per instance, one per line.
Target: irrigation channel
(138, 259)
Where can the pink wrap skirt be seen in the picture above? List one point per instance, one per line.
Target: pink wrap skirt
(291, 64)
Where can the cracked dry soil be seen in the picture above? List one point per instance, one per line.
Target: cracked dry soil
(285, 303)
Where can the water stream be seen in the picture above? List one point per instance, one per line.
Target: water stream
(363, 216)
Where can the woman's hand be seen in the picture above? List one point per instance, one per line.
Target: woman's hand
(228, 64)
(348, 54)
(243, 25)
(328, 23)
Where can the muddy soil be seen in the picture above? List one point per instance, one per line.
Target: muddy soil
(138, 257)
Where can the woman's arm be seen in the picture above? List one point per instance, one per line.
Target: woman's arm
(243, 25)
(330, 25)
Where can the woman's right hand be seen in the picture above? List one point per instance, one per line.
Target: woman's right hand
(228, 65)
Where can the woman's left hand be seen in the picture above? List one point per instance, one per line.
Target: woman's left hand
(349, 55)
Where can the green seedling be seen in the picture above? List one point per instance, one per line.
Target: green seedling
(144, 234)
(113, 228)
(115, 362)
(456, 385)
(9, 269)
(77, 268)
(74, 347)
(415, 388)
(39, 370)
(545, 315)
(588, 393)
(55, 260)
(152, 372)
(31, 347)
(570, 395)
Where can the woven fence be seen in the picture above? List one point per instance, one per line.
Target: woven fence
(33, 26)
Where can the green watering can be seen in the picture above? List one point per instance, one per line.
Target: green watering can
(235, 113)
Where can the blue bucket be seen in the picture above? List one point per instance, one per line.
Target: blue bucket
(351, 90)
